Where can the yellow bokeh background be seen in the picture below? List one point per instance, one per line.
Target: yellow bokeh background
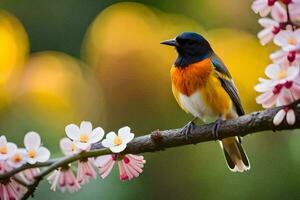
(120, 76)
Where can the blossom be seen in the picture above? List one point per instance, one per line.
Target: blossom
(288, 40)
(281, 89)
(11, 190)
(281, 74)
(105, 164)
(63, 179)
(284, 57)
(28, 175)
(84, 135)
(117, 143)
(287, 113)
(6, 148)
(263, 7)
(294, 10)
(68, 147)
(272, 27)
(17, 158)
(35, 152)
(85, 170)
(130, 166)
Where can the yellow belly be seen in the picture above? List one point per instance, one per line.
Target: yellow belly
(209, 100)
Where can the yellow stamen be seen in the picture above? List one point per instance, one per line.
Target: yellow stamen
(31, 153)
(73, 147)
(84, 138)
(292, 41)
(17, 158)
(117, 141)
(282, 74)
(3, 150)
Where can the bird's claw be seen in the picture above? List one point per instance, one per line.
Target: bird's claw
(188, 128)
(216, 128)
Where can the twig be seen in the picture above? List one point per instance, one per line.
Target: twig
(159, 140)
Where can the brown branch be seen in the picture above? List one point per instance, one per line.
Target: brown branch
(160, 140)
(242, 126)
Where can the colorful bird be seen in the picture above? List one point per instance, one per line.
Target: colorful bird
(203, 87)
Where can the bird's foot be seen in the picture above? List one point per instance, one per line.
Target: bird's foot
(216, 128)
(188, 128)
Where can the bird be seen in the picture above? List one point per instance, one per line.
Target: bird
(203, 87)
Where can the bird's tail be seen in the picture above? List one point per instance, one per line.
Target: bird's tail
(235, 155)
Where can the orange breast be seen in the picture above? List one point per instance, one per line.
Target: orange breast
(189, 79)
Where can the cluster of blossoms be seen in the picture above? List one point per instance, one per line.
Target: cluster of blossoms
(12, 157)
(67, 177)
(80, 139)
(283, 84)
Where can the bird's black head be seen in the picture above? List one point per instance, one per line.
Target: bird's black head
(191, 48)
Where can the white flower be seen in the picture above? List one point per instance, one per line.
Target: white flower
(35, 152)
(289, 40)
(68, 147)
(84, 136)
(117, 143)
(17, 158)
(263, 7)
(6, 148)
(281, 74)
(272, 27)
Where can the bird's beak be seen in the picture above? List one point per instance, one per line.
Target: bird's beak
(171, 42)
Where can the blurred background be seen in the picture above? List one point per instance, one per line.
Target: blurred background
(100, 60)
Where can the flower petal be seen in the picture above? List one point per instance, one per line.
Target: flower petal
(86, 127)
(101, 161)
(67, 146)
(82, 146)
(32, 140)
(11, 147)
(3, 141)
(125, 134)
(279, 13)
(265, 36)
(267, 22)
(108, 141)
(272, 71)
(119, 148)
(43, 154)
(72, 131)
(96, 135)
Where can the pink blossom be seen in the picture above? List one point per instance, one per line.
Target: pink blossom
(63, 179)
(295, 10)
(28, 175)
(286, 57)
(105, 164)
(288, 40)
(281, 89)
(130, 166)
(11, 190)
(85, 171)
(272, 26)
(263, 7)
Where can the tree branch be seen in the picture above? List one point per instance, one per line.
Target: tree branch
(160, 140)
